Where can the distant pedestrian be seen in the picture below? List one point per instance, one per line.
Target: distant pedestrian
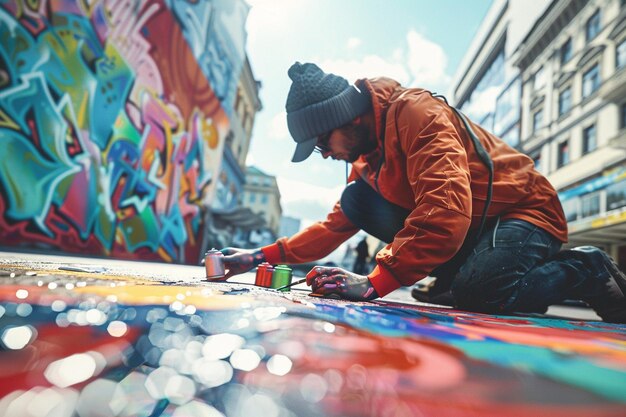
(362, 253)
(450, 199)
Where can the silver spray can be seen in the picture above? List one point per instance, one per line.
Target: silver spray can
(214, 264)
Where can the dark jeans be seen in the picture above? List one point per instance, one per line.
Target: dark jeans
(513, 267)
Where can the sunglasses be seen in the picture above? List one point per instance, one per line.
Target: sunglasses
(322, 143)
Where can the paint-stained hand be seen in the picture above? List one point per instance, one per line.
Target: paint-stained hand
(237, 261)
(337, 282)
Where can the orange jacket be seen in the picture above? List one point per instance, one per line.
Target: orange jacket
(431, 168)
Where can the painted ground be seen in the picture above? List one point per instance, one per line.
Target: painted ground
(84, 341)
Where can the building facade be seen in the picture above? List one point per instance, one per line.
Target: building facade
(262, 196)
(573, 70)
(232, 173)
(289, 226)
(487, 84)
(549, 79)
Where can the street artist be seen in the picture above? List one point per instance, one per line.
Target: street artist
(451, 200)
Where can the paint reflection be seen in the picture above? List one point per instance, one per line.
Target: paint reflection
(128, 351)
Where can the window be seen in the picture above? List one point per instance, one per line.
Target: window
(563, 154)
(566, 51)
(570, 208)
(589, 139)
(591, 80)
(539, 79)
(592, 28)
(622, 124)
(487, 121)
(252, 197)
(537, 120)
(264, 199)
(482, 99)
(616, 195)
(565, 101)
(590, 205)
(620, 55)
(537, 160)
(511, 137)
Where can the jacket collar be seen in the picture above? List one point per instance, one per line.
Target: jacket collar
(381, 91)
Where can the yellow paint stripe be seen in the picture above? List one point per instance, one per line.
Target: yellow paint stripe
(200, 297)
(6, 121)
(78, 274)
(164, 255)
(82, 112)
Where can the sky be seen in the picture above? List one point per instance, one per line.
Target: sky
(420, 43)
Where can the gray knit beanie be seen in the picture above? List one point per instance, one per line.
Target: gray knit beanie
(318, 103)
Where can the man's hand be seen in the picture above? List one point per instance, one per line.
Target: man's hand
(329, 282)
(237, 261)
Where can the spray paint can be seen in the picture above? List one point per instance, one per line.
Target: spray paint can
(281, 277)
(214, 264)
(261, 271)
(267, 276)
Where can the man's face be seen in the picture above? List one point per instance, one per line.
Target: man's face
(345, 143)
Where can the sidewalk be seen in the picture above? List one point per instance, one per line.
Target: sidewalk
(84, 336)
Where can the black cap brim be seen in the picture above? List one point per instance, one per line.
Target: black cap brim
(304, 150)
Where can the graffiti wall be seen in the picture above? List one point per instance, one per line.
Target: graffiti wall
(111, 129)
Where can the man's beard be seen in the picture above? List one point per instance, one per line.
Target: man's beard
(360, 141)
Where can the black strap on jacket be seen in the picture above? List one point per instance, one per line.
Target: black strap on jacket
(484, 157)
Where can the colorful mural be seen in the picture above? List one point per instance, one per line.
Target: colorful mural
(112, 135)
(81, 342)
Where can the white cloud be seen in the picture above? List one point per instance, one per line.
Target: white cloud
(427, 61)
(419, 63)
(354, 42)
(310, 203)
(367, 67)
(278, 129)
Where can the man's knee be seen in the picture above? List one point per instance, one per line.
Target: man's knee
(468, 291)
(354, 198)
(348, 200)
(481, 287)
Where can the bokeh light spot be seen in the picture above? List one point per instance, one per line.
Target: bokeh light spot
(71, 370)
(245, 359)
(16, 338)
(279, 365)
(117, 328)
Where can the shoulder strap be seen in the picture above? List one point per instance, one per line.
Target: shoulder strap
(483, 155)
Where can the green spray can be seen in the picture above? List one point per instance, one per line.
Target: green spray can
(281, 277)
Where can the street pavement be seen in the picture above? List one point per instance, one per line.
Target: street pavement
(99, 337)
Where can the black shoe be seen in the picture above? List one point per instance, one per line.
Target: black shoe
(609, 297)
(429, 293)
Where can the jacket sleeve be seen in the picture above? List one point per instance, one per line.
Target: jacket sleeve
(438, 173)
(314, 242)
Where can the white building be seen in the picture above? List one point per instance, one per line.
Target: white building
(573, 67)
(289, 226)
(548, 77)
(487, 85)
(262, 196)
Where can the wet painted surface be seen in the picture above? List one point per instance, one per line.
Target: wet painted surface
(86, 342)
